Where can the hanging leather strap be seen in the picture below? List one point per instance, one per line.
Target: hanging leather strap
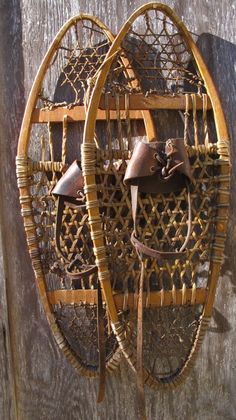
(85, 269)
(144, 249)
(101, 347)
(141, 414)
(155, 168)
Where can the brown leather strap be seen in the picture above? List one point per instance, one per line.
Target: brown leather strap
(144, 249)
(85, 269)
(141, 415)
(59, 215)
(158, 255)
(101, 347)
(134, 204)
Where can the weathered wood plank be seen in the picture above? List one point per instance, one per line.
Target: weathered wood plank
(7, 385)
(47, 387)
(9, 84)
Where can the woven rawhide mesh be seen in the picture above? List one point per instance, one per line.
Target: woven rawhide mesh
(168, 99)
(168, 336)
(160, 56)
(78, 323)
(77, 58)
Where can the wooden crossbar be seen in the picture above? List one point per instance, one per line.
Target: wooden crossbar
(137, 104)
(139, 101)
(77, 114)
(156, 299)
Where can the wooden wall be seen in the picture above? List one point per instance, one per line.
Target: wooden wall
(36, 382)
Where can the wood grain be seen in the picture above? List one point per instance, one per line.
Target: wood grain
(154, 299)
(137, 102)
(46, 385)
(9, 83)
(7, 386)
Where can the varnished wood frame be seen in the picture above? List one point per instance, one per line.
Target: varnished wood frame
(23, 176)
(223, 197)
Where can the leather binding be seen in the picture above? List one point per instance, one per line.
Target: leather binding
(158, 168)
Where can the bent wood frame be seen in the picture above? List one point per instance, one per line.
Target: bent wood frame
(23, 168)
(97, 234)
